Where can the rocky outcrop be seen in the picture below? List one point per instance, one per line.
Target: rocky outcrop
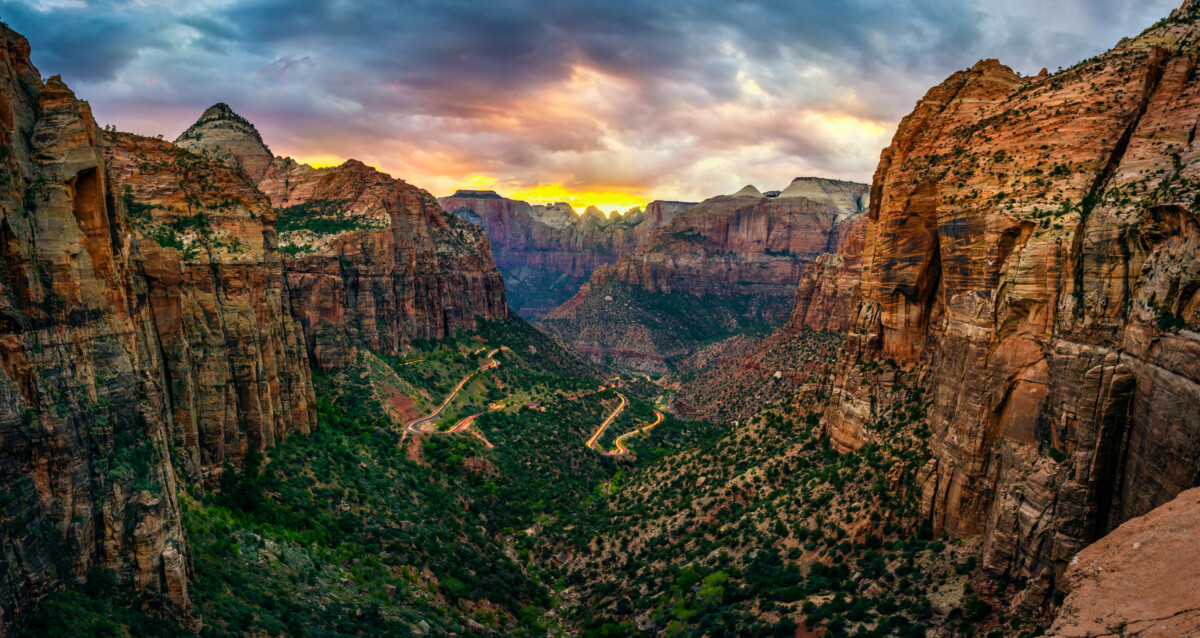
(238, 375)
(370, 260)
(547, 252)
(1133, 581)
(829, 288)
(85, 423)
(222, 134)
(1033, 249)
(744, 253)
(850, 198)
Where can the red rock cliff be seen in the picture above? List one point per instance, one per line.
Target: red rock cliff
(743, 252)
(370, 260)
(85, 424)
(235, 360)
(1033, 246)
(546, 253)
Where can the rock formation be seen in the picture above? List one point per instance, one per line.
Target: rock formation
(238, 375)
(547, 252)
(227, 136)
(85, 419)
(1033, 248)
(1139, 580)
(745, 252)
(370, 260)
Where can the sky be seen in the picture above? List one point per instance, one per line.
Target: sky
(592, 102)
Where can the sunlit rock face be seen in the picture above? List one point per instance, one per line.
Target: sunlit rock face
(222, 134)
(370, 260)
(746, 251)
(547, 252)
(1032, 245)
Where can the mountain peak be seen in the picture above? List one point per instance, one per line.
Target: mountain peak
(220, 109)
(748, 191)
(848, 197)
(222, 134)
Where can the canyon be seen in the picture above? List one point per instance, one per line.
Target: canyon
(1031, 253)
(963, 398)
(147, 338)
(727, 264)
(546, 252)
(370, 260)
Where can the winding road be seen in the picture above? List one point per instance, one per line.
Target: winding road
(465, 423)
(604, 426)
(413, 426)
(620, 441)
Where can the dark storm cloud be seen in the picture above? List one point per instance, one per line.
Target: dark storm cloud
(668, 95)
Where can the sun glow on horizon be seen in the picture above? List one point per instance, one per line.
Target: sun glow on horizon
(606, 201)
(321, 161)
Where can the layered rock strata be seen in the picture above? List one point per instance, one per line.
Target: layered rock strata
(85, 417)
(206, 247)
(744, 252)
(1033, 246)
(370, 260)
(547, 252)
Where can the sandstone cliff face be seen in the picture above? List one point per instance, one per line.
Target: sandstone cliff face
(1138, 580)
(745, 251)
(1033, 247)
(85, 473)
(370, 260)
(237, 369)
(546, 252)
(734, 244)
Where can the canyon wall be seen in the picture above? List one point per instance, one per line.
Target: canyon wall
(235, 361)
(727, 264)
(547, 252)
(1033, 248)
(370, 260)
(85, 416)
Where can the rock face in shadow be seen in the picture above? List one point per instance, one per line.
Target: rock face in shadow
(237, 370)
(547, 252)
(1134, 582)
(1033, 247)
(85, 416)
(740, 254)
(370, 260)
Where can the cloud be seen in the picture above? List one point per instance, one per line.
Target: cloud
(674, 99)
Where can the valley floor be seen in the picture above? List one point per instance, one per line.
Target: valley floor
(496, 482)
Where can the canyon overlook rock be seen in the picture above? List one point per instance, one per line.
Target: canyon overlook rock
(1032, 251)
(370, 260)
(1138, 580)
(547, 252)
(732, 260)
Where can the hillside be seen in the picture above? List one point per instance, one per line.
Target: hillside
(1030, 256)
(243, 396)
